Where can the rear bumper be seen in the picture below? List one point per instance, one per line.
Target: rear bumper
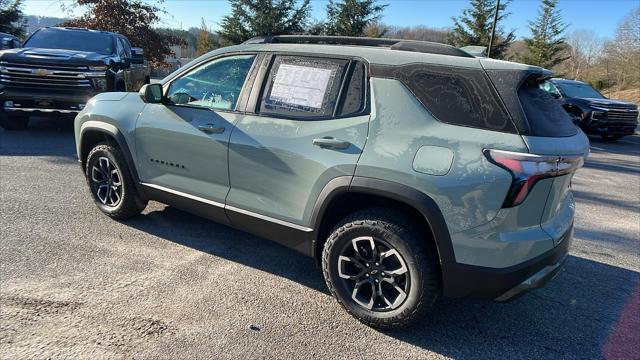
(503, 284)
(43, 102)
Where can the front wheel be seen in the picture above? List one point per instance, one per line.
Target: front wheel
(380, 269)
(13, 122)
(611, 137)
(111, 184)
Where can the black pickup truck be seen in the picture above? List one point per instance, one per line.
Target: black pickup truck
(592, 111)
(59, 69)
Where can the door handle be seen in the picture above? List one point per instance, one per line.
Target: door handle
(211, 129)
(331, 143)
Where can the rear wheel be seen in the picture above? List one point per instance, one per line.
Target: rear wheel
(111, 184)
(379, 270)
(14, 122)
(611, 137)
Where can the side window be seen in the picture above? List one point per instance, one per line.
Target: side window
(457, 96)
(214, 85)
(126, 46)
(550, 88)
(303, 87)
(120, 48)
(355, 93)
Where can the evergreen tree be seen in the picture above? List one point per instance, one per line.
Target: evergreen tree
(206, 42)
(474, 27)
(546, 45)
(12, 21)
(251, 18)
(352, 17)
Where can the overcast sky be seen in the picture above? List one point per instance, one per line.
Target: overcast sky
(601, 16)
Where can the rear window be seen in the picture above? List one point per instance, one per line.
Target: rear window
(545, 115)
(78, 40)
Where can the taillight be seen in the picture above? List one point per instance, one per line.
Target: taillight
(528, 169)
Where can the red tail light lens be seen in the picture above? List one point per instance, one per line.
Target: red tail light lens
(528, 169)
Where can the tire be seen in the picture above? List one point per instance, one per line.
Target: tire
(389, 231)
(577, 116)
(611, 138)
(14, 122)
(115, 195)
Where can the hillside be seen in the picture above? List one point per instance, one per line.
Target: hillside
(632, 95)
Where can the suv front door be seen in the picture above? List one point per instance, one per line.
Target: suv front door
(125, 67)
(309, 126)
(137, 71)
(182, 144)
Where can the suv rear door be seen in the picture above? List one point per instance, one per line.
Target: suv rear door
(306, 124)
(182, 144)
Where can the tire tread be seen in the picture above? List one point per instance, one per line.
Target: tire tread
(423, 255)
(132, 203)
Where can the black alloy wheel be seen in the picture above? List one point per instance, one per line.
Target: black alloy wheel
(375, 273)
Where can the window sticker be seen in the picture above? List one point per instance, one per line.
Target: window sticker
(300, 85)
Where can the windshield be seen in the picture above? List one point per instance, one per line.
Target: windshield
(579, 90)
(79, 40)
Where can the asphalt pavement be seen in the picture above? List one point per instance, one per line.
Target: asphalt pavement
(166, 284)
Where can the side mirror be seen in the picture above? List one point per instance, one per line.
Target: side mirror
(137, 56)
(6, 43)
(151, 93)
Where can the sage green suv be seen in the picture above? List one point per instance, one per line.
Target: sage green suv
(410, 170)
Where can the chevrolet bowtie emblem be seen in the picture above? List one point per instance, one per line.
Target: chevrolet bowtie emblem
(41, 72)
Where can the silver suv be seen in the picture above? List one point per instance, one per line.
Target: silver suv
(410, 170)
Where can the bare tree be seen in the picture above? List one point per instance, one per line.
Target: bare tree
(585, 50)
(622, 54)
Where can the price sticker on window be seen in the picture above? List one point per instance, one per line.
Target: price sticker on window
(300, 85)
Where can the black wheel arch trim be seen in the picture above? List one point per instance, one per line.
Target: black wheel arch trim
(113, 132)
(420, 201)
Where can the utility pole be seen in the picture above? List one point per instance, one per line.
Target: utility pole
(493, 28)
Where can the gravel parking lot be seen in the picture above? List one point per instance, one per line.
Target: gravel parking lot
(170, 285)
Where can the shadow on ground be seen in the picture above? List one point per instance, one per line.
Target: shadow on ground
(43, 137)
(571, 317)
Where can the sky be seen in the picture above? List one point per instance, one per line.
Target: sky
(601, 16)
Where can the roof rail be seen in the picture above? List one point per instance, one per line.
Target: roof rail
(393, 44)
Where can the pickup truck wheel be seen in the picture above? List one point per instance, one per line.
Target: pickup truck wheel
(111, 184)
(378, 269)
(14, 122)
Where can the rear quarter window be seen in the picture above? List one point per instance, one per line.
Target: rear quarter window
(453, 95)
